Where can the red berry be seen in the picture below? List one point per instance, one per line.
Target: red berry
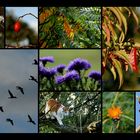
(17, 26)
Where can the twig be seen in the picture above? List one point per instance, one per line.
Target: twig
(26, 15)
(138, 129)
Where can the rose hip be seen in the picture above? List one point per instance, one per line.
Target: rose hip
(17, 26)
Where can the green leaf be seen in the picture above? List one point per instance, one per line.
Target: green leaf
(118, 67)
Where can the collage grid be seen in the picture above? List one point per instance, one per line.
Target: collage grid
(50, 61)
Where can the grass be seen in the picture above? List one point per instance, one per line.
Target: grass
(124, 100)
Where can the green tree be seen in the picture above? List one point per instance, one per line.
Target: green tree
(85, 108)
(69, 27)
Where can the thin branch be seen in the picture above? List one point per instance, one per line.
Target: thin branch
(62, 129)
(138, 129)
(26, 15)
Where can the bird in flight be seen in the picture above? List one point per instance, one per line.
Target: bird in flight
(31, 120)
(11, 95)
(1, 109)
(20, 88)
(9, 120)
(35, 62)
(33, 79)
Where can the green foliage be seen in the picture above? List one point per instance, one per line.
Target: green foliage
(124, 100)
(70, 27)
(84, 104)
(117, 41)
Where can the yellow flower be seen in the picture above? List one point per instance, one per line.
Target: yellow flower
(114, 112)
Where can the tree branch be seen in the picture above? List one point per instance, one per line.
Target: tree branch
(57, 127)
(138, 129)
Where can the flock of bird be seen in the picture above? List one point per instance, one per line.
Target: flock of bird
(11, 96)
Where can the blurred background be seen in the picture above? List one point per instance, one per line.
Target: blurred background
(65, 56)
(123, 100)
(28, 36)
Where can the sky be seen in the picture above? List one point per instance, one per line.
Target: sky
(15, 70)
(19, 11)
(137, 110)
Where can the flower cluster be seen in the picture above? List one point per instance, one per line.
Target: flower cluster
(46, 59)
(68, 77)
(95, 75)
(79, 64)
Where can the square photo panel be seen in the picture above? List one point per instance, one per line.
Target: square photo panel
(69, 112)
(19, 92)
(21, 27)
(70, 27)
(69, 70)
(118, 112)
(121, 48)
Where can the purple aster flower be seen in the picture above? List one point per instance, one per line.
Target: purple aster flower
(67, 77)
(60, 68)
(41, 69)
(46, 59)
(59, 79)
(78, 64)
(72, 75)
(47, 72)
(95, 75)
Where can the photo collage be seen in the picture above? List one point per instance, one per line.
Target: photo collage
(70, 69)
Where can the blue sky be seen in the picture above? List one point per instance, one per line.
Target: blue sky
(137, 110)
(15, 69)
(19, 11)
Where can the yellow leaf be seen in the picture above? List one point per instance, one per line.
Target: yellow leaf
(118, 67)
(113, 72)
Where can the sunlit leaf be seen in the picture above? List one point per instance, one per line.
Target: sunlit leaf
(123, 55)
(118, 67)
(113, 72)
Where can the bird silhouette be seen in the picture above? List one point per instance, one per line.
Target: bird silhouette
(35, 62)
(9, 120)
(1, 109)
(31, 120)
(11, 95)
(33, 79)
(20, 88)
